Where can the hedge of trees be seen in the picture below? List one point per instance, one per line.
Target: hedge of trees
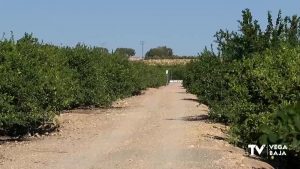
(253, 83)
(39, 80)
(127, 52)
(161, 52)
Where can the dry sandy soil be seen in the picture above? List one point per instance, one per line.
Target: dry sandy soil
(164, 128)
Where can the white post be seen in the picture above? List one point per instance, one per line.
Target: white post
(167, 77)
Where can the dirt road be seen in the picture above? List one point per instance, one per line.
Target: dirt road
(162, 129)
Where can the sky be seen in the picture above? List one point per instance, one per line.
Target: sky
(186, 26)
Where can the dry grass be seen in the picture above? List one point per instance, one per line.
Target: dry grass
(167, 61)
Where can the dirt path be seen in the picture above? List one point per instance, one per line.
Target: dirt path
(164, 128)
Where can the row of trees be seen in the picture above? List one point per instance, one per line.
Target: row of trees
(161, 52)
(39, 80)
(127, 52)
(253, 83)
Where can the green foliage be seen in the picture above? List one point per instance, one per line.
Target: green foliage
(161, 52)
(255, 75)
(127, 52)
(205, 78)
(101, 50)
(38, 80)
(252, 39)
(286, 129)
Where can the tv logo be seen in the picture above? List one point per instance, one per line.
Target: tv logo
(255, 147)
(272, 150)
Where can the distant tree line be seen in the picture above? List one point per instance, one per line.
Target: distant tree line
(159, 53)
(125, 52)
(164, 52)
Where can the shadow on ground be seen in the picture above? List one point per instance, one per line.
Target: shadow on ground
(202, 117)
(92, 111)
(7, 139)
(214, 137)
(191, 99)
(182, 92)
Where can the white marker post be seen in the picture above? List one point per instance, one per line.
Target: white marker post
(167, 77)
